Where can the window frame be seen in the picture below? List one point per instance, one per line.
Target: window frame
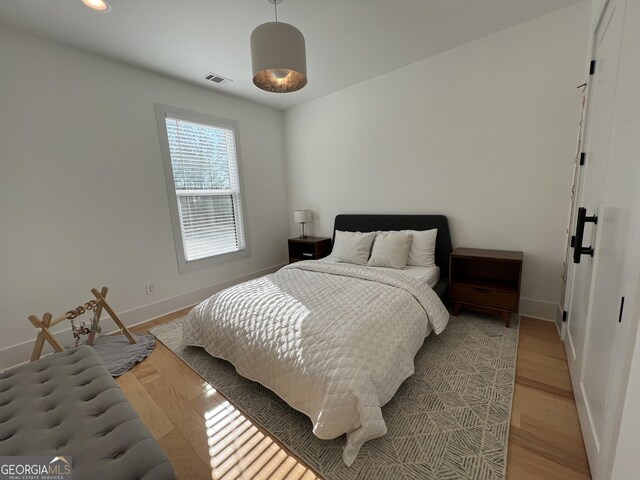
(162, 112)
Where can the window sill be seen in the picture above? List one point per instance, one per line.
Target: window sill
(184, 266)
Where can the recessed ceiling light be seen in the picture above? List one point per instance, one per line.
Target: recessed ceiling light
(99, 5)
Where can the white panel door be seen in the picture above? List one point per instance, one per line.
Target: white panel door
(593, 174)
(595, 337)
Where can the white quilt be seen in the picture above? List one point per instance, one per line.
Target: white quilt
(335, 341)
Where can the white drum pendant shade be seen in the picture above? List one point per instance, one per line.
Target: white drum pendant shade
(278, 57)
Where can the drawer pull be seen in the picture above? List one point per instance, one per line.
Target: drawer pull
(482, 290)
(307, 254)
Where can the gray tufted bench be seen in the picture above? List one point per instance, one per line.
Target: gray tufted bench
(68, 404)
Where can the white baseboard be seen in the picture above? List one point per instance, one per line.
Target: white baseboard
(538, 309)
(21, 352)
(558, 319)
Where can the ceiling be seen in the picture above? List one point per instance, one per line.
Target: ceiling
(348, 41)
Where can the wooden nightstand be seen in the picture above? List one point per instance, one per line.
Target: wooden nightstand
(310, 248)
(485, 280)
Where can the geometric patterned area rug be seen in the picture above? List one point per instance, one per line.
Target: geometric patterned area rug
(450, 420)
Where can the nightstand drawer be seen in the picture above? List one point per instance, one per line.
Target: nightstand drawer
(309, 248)
(302, 251)
(486, 297)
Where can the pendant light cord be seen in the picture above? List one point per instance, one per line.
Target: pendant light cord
(275, 7)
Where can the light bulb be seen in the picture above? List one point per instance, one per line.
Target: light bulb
(98, 5)
(279, 73)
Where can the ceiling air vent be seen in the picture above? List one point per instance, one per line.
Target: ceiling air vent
(217, 79)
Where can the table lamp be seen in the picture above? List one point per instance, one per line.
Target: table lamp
(302, 217)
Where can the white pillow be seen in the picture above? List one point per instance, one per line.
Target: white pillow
(390, 249)
(423, 247)
(352, 247)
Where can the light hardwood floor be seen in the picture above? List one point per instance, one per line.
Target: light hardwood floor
(206, 437)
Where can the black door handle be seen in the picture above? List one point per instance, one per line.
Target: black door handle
(578, 249)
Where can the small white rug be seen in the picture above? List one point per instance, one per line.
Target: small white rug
(120, 356)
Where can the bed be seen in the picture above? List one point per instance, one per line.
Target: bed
(334, 340)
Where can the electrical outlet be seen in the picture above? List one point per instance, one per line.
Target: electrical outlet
(150, 289)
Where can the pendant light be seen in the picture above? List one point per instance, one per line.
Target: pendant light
(278, 56)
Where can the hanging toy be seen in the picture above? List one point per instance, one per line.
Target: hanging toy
(82, 329)
(95, 326)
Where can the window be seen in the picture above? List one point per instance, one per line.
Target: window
(202, 169)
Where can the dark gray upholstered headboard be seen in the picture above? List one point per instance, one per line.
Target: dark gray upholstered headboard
(372, 223)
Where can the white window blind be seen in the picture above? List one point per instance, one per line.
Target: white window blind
(207, 188)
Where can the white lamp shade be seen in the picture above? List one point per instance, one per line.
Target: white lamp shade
(302, 216)
(278, 57)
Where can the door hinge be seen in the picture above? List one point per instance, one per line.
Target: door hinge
(621, 309)
(592, 67)
(573, 241)
(583, 155)
(564, 315)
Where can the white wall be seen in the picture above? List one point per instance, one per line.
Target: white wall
(484, 133)
(83, 201)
